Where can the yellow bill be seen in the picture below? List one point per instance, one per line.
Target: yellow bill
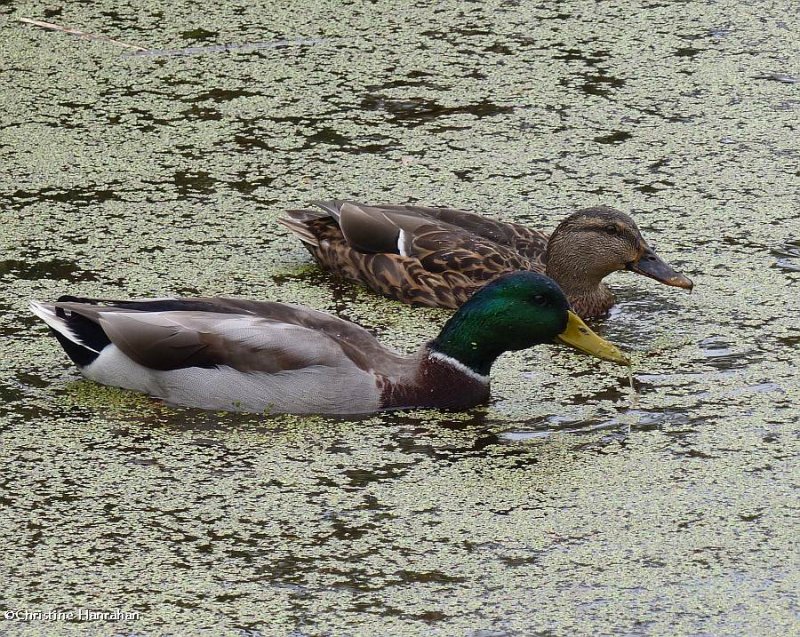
(578, 335)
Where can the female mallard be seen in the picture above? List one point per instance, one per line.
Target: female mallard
(440, 256)
(232, 354)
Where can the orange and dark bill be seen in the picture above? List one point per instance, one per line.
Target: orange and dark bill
(652, 265)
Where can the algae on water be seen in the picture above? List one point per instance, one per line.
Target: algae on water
(559, 508)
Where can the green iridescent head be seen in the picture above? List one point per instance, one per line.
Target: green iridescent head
(516, 311)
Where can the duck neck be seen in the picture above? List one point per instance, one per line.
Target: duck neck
(438, 381)
(464, 342)
(584, 288)
(591, 303)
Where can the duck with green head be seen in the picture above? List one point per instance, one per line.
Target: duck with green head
(238, 355)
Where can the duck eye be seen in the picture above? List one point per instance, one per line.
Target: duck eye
(612, 229)
(540, 299)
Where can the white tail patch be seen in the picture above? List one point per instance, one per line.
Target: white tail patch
(48, 315)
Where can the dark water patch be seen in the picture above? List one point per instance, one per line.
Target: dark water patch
(518, 561)
(612, 394)
(693, 453)
(793, 340)
(202, 113)
(28, 404)
(20, 199)
(115, 18)
(221, 95)
(458, 36)
(434, 444)
(360, 478)
(248, 183)
(368, 144)
(617, 137)
(656, 166)
(578, 55)
(32, 380)
(687, 52)
(595, 81)
(199, 34)
(194, 182)
(414, 79)
(418, 111)
(54, 269)
(601, 85)
(253, 138)
(499, 48)
(751, 517)
(653, 188)
(672, 117)
(597, 84)
(146, 121)
(428, 616)
(241, 47)
(591, 58)
(350, 532)
(150, 249)
(328, 136)
(315, 133)
(373, 144)
(342, 293)
(10, 393)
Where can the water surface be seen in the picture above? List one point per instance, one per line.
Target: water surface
(568, 505)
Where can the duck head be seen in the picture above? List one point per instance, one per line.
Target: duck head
(594, 242)
(517, 311)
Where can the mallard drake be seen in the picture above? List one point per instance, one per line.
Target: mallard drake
(440, 256)
(239, 355)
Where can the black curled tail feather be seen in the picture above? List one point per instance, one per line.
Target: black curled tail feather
(92, 338)
(81, 338)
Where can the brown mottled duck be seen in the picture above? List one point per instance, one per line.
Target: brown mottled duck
(440, 256)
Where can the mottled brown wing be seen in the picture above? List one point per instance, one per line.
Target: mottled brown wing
(442, 265)
(529, 243)
(393, 275)
(444, 240)
(406, 279)
(474, 256)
